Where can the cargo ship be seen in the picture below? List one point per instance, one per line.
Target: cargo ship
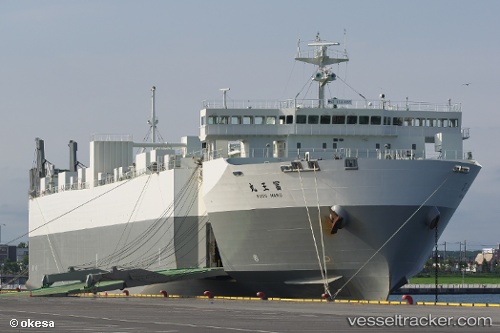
(294, 198)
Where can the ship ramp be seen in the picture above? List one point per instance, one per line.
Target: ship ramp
(94, 281)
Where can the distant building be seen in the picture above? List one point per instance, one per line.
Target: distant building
(489, 255)
(489, 250)
(21, 252)
(13, 253)
(8, 252)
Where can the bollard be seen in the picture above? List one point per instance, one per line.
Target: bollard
(208, 294)
(408, 298)
(262, 295)
(164, 293)
(326, 296)
(125, 291)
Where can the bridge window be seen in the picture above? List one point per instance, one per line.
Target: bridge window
(247, 120)
(313, 119)
(352, 120)
(259, 120)
(301, 119)
(324, 119)
(212, 120)
(338, 120)
(397, 121)
(286, 119)
(453, 122)
(387, 120)
(376, 120)
(202, 121)
(270, 120)
(223, 120)
(363, 120)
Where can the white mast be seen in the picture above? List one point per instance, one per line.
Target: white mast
(321, 58)
(153, 121)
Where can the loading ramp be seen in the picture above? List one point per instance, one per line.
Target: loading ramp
(93, 281)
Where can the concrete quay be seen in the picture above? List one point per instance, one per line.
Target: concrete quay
(196, 315)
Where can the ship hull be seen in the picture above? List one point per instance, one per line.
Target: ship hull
(117, 245)
(150, 221)
(274, 250)
(273, 229)
(277, 237)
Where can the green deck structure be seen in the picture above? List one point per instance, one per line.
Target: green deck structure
(118, 279)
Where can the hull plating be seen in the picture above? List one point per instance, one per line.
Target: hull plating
(387, 209)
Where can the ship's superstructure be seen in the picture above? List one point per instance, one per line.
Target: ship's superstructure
(294, 198)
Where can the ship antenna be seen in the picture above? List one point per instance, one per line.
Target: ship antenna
(224, 97)
(321, 58)
(345, 42)
(153, 121)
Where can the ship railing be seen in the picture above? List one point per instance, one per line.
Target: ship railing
(319, 52)
(322, 129)
(338, 153)
(106, 179)
(333, 103)
(111, 137)
(241, 104)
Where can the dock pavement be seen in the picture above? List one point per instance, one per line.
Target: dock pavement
(195, 315)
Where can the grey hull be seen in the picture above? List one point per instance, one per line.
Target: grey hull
(273, 251)
(138, 244)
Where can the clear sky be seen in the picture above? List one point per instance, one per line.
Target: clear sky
(69, 69)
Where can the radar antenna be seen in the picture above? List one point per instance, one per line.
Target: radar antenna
(322, 57)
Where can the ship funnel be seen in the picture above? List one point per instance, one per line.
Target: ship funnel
(40, 157)
(38, 170)
(73, 161)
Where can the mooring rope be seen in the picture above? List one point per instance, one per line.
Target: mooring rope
(325, 276)
(311, 226)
